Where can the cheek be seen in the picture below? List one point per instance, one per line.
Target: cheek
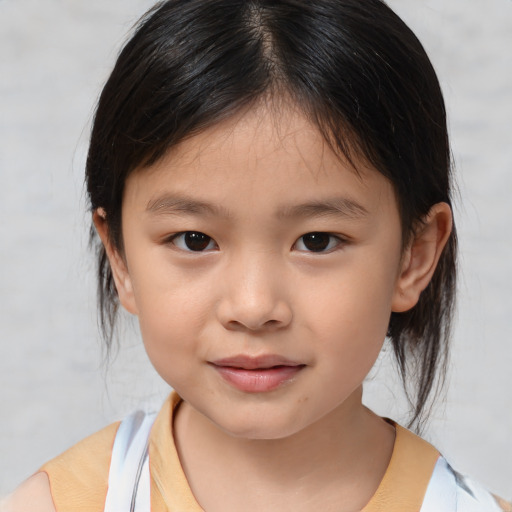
(353, 350)
(169, 344)
(356, 305)
(166, 296)
(171, 321)
(351, 315)
(172, 318)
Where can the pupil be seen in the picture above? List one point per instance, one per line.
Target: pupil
(196, 241)
(316, 242)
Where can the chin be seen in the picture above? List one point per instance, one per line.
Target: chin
(260, 427)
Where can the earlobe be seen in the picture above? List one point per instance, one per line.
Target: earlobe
(421, 257)
(117, 263)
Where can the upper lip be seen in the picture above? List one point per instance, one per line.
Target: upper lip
(263, 362)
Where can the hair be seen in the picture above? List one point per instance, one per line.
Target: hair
(353, 68)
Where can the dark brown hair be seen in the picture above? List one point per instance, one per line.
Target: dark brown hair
(354, 68)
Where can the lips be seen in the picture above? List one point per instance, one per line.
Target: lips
(257, 374)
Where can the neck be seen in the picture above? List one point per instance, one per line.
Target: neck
(342, 458)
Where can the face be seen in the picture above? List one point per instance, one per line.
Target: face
(263, 271)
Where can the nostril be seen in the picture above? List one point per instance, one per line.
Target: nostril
(255, 315)
(269, 325)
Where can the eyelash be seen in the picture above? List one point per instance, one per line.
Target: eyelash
(333, 242)
(200, 237)
(206, 243)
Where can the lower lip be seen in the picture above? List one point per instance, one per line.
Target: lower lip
(258, 380)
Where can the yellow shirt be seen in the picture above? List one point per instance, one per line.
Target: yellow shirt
(79, 476)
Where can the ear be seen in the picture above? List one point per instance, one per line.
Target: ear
(117, 263)
(420, 258)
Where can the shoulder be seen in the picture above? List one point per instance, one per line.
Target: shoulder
(75, 480)
(87, 453)
(78, 478)
(448, 491)
(34, 494)
(440, 488)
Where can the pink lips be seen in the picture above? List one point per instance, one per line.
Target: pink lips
(257, 374)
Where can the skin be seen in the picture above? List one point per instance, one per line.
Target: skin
(33, 494)
(257, 289)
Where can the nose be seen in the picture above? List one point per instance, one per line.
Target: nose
(254, 295)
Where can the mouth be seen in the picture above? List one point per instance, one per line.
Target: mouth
(257, 374)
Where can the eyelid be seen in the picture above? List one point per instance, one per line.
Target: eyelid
(171, 240)
(339, 242)
(335, 242)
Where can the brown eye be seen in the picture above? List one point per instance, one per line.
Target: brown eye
(193, 241)
(317, 242)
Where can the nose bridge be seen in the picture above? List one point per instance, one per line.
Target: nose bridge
(254, 294)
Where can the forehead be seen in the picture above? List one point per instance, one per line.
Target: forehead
(266, 154)
(273, 133)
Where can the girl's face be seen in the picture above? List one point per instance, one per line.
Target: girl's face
(263, 272)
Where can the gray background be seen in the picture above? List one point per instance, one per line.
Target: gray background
(54, 390)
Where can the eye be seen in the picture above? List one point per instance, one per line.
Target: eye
(193, 241)
(317, 242)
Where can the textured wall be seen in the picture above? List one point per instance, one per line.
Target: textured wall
(54, 56)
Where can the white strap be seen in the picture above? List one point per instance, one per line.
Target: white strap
(128, 479)
(441, 495)
(448, 491)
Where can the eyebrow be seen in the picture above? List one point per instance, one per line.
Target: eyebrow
(334, 207)
(174, 204)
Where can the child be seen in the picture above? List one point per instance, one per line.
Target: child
(270, 181)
